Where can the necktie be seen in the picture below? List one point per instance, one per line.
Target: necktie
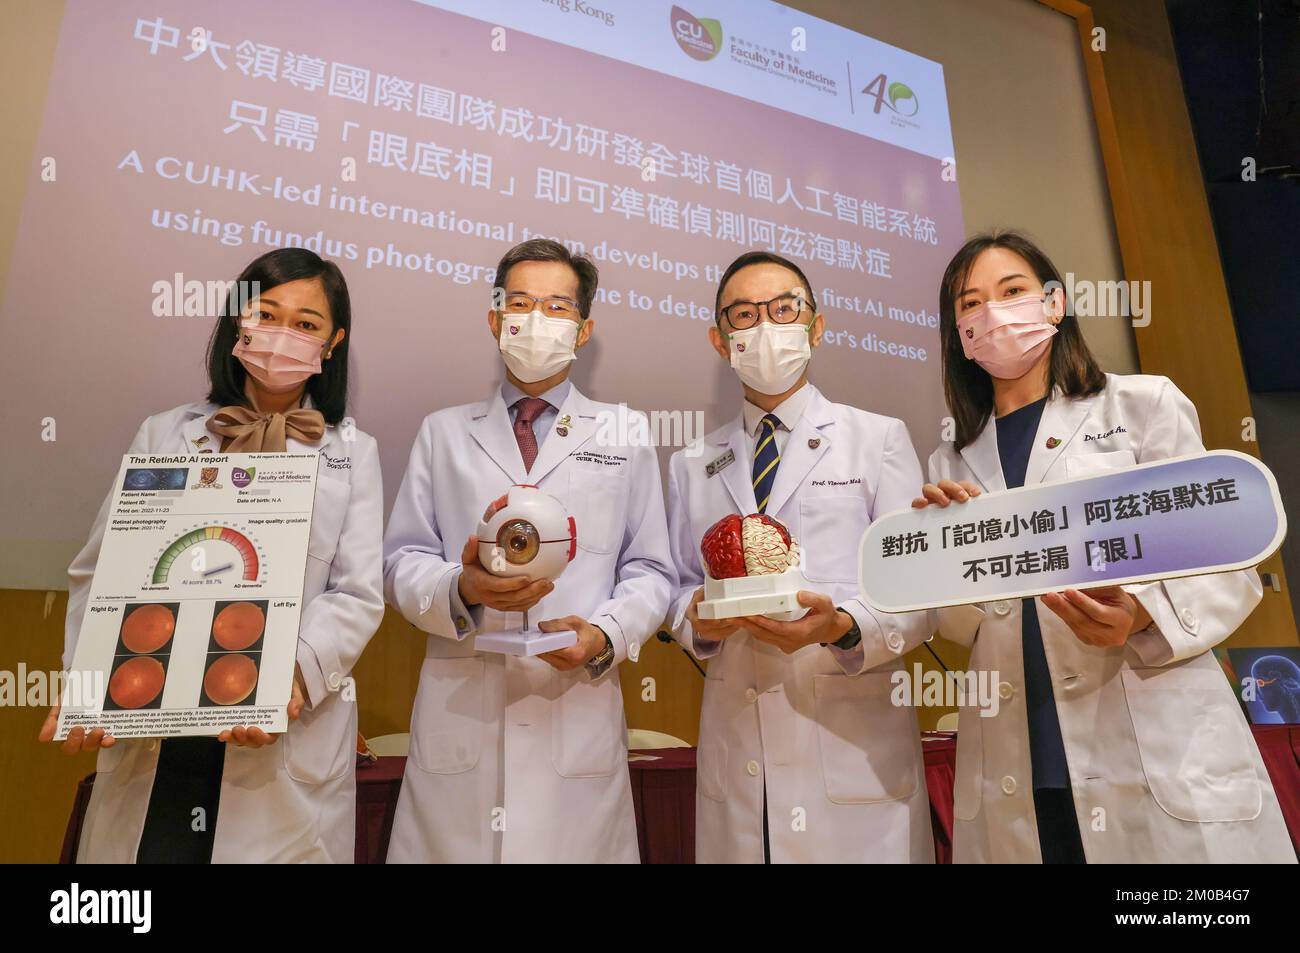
(766, 457)
(527, 409)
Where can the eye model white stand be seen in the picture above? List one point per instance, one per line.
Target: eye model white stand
(526, 532)
(525, 642)
(773, 595)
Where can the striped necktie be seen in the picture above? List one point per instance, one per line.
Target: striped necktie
(766, 457)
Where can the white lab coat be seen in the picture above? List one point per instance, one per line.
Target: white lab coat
(1162, 763)
(843, 767)
(295, 800)
(511, 760)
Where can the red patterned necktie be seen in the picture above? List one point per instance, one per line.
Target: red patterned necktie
(527, 410)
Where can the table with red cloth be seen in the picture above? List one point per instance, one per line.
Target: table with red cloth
(663, 792)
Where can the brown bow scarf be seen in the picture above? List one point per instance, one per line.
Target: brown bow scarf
(250, 431)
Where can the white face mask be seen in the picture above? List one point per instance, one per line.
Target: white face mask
(536, 347)
(771, 357)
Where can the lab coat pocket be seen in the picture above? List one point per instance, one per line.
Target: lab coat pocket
(867, 742)
(830, 527)
(715, 734)
(1085, 463)
(328, 511)
(447, 732)
(1193, 742)
(588, 738)
(598, 501)
(322, 743)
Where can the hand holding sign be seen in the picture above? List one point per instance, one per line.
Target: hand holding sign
(945, 492)
(1102, 618)
(1207, 513)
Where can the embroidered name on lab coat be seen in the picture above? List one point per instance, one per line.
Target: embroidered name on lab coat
(337, 463)
(603, 459)
(1103, 436)
(849, 482)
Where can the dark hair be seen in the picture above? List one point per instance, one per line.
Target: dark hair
(967, 387)
(759, 258)
(328, 389)
(544, 249)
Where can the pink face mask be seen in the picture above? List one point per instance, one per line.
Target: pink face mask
(1007, 337)
(278, 358)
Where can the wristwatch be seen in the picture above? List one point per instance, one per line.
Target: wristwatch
(600, 661)
(851, 638)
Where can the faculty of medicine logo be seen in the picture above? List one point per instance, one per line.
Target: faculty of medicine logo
(897, 96)
(699, 39)
(241, 477)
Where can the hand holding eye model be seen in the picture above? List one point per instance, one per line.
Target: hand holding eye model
(524, 542)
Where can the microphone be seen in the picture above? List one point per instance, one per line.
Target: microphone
(667, 638)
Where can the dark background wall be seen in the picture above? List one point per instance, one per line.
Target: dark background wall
(1240, 66)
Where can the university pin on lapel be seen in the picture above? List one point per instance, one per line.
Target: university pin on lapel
(563, 428)
(814, 443)
(1053, 443)
(720, 464)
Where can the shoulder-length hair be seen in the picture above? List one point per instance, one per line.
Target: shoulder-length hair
(967, 387)
(328, 389)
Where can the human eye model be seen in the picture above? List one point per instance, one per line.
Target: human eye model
(526, 532)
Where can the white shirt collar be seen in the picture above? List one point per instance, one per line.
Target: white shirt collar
(788, 411)
(556, 396)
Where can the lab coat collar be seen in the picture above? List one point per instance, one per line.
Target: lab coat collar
(575, 425)
(198, 439)
(808, 442)
(736, 475)
(1060, 423)
(1061, 420)
(491, 429)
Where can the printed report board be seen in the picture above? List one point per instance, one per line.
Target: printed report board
(191, 625)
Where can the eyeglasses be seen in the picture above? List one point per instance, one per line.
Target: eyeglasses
(553, 306)
(786, 309)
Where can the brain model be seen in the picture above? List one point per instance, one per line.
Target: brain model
(750, 546)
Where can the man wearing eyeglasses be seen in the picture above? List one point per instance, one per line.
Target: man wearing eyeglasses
(803, 757)
(517, 759)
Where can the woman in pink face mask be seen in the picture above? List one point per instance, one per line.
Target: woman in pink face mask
(277, 381)
(1117, 739)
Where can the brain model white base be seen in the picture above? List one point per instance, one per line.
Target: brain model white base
(752, 568)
